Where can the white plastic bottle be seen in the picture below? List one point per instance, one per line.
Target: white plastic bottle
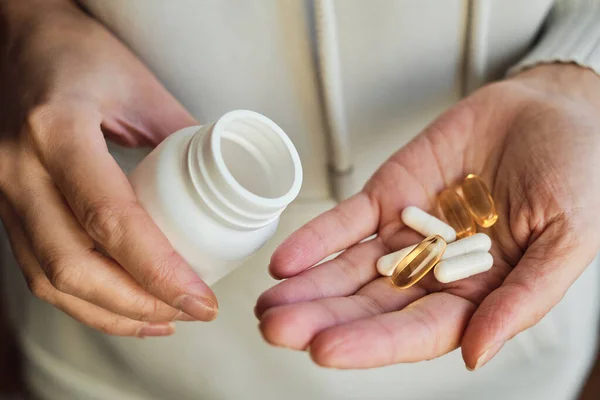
(217, 191)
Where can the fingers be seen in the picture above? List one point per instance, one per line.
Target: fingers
(67, 256)
(426, 329)
(80, 310)
(106, 206)
(540, 279)
(295, 325)
(412, 175)
(167, 116)
(342, 276)
(335, 230)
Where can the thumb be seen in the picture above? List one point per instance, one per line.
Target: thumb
(147, 116)
(539, 281)
(164, 114)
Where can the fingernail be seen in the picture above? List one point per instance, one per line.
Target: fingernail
(487, 355)
(199, 308)
(156, 329)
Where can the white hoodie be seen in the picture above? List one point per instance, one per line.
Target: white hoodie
(393, 66)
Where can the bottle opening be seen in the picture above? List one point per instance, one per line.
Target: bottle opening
(257, 158)
(245, 168)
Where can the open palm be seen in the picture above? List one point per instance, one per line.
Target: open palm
(534, 141)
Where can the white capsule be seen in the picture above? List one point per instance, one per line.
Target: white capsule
(386, 264)
(462, 267)
(427, 224)
(470, 244)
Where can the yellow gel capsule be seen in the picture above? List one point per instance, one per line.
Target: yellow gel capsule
(419, 262)
(456, 213)
(479, 201)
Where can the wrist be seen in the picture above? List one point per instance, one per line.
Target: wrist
(562, 80)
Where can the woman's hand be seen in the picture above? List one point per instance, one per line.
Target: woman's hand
(67, 82)
(535, 140)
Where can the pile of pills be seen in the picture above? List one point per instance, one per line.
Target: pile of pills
(464, 208)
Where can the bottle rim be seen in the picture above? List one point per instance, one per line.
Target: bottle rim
(219, 189)
(215, 143)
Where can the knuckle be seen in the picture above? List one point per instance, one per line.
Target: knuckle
(492, 317)
(370, 305)
(62, 275)
(159, 275)
(113, 325)
(349, 269)
(37, 121)
(56, 114)
(147, 309)
(39, 287)
(103, 220)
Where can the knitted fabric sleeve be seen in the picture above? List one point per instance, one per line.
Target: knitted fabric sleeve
(572, 35)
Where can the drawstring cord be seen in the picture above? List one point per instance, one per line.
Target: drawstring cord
(340, 159)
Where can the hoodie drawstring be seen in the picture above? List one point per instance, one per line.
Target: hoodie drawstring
(340, 158)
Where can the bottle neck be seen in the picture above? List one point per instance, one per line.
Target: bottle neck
(244, 168)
